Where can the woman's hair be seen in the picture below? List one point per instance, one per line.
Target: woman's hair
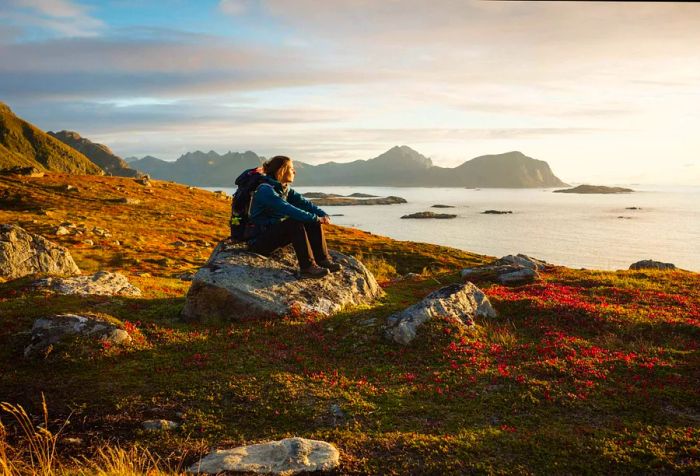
(274, 165)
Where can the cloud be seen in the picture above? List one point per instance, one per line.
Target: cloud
(61, 17)
(235, 7)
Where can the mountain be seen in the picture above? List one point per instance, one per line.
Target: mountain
(23, 144)
(205, 169)
(400, 166)
(99, 154)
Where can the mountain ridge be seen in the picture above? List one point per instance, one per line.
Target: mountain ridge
(25, 145)
(398, 166)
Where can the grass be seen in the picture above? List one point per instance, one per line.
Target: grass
(586, 372)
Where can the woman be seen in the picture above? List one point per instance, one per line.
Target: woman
(280, 216)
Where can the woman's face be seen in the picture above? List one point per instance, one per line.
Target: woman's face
(286, 174)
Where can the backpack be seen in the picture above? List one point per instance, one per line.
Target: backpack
(248, 183)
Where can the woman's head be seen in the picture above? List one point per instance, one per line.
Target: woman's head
(280, 168)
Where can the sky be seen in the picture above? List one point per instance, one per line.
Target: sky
(605, 92)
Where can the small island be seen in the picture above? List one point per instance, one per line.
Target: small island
(429, 215)
(332, 199)
(442, 206)
(594, 189)
(497, 212)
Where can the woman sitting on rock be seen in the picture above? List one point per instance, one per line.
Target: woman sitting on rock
(280, 216)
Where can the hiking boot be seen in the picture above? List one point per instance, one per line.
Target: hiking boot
(330, 265)
(313, 272)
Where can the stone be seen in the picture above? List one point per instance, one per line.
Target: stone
(62, 231)
(430, 215)
(287, 456)
(127, 200)
(236, 284)
(179, 244)
(651, 264)
(48, 331)
(523, 260)
(145, 181)
(69, 188)
(459, 302)
(22, 171)
(159, 425)
(101, 232)
(510, 274)
(102, 283)
(497, 212)
(24, 254)
(88, 242)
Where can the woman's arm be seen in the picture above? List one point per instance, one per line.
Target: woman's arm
(267, 198)
(299, 201)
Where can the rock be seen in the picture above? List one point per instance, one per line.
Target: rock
(651, 264)
(68, 188)
(221, 195)
(88, 242)
(23, 254)
(523, 260)
(102, 283)
(287, 456)
(460, 302)
(497, 212)
(22, 171)
(47, 331)
(186, 276)
(338, 200)
(429, 215)
(145, 181)
(510, 274)
(127, 200)
(101, 232)
(633, 208)
(442, 206)
(594, 189)
(62, 231)
(236, 284)
(159, 425)
(179, 244)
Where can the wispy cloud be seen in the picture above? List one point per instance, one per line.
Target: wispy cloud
(61, 17)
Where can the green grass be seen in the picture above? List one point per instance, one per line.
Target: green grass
(587, 372)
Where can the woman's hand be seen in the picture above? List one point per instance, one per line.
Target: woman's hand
(326, 220)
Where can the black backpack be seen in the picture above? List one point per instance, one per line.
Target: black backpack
(248, 183)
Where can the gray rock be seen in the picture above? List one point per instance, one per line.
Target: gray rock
(236, 285)
(159, 425)
(524, 261)
(461, 302)
(510, 274)
(24, 254)
(288, 456)
(102, 283)
(651, 264)
(47, 331)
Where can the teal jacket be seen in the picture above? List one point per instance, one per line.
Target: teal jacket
(272, 203)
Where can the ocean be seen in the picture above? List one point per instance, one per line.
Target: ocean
(574, 230)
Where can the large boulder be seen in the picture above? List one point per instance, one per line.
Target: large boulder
(236, 284)
(101, 283)
(24, 254)
(651, 264)
(287, 456)
(48, 331)
(524, 261)
(461, 302)
(507, 274)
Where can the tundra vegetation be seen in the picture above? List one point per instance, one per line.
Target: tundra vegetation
(582, 372)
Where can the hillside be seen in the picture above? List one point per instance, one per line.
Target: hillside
(585, 372)
(23, 144)
(99, 154)
(400, 166)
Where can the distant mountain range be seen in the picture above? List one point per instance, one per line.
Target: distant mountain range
(22, 144)
(25, 145)
(399, 166)
(99, 154)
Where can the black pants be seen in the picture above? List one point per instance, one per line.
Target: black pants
(307, 238)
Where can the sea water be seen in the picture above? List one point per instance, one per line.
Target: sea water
(581, 231)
